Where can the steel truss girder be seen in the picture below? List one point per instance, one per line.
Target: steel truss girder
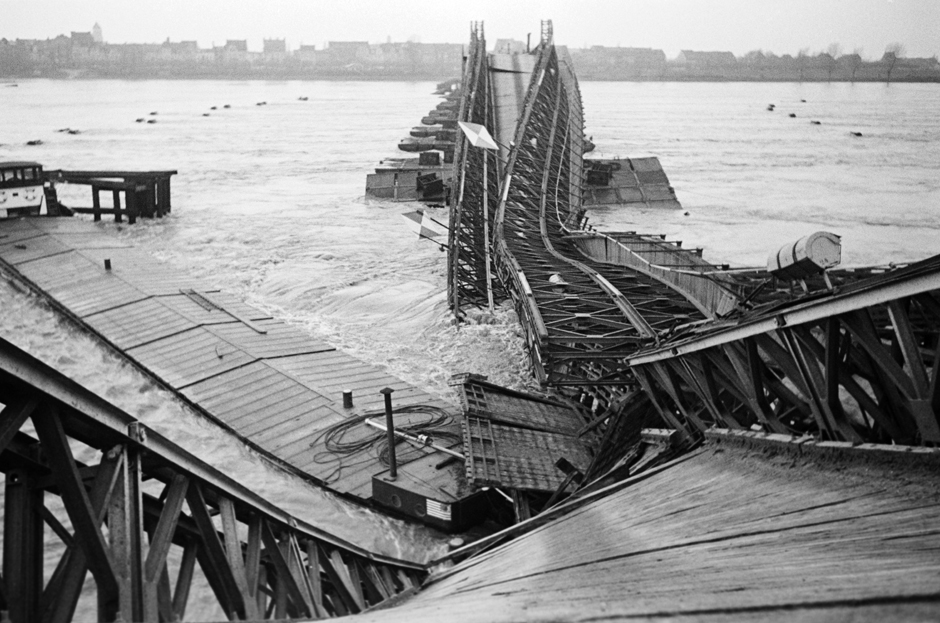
(581, 318)
(262, 563)
(866, 373)
(467, 282)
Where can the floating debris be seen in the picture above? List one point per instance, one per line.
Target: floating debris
(151, 120)
(792, 115)
(804, 101)
(214, 108)
(303, 98)
(205, 114)
(69, 131)
(226, 106)
(139, 120)
(153, 112)
(34, 142)
(855, 133)
(261, 104)
(814, 122)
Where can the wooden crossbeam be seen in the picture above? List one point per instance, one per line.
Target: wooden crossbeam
(13, 416)
(285, 578)
(74, 497)
(212, 557)
(184, 579)
(65, 586)
(233, 554)
(160, 541)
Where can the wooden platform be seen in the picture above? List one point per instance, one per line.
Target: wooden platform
(268, 382)
(728, 534)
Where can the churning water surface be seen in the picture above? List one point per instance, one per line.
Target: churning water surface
(269, 204)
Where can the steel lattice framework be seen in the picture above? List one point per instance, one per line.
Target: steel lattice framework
(467, 283)
(858, 364)
(581, 318)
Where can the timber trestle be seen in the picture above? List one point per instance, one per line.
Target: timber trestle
(143, 498)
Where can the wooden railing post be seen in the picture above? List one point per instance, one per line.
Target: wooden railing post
(22, 546)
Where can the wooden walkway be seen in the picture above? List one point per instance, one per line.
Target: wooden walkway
(727, 534)
(268, 382)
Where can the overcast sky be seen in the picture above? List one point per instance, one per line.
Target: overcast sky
(783, 26)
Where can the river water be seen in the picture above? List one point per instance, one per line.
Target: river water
(269, 204)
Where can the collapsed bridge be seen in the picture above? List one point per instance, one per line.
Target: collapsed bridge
(653, 332)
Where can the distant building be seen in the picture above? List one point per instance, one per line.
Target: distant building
(618, 63)
(82, 39)
(706, 59)
(275, 46)
(236, 45)
(346, 52)
(96, 33)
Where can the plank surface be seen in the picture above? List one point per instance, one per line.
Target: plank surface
(721, 536)
(267, 381)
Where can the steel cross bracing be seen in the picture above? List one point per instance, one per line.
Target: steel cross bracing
(467, 283)
(860, 364)
(146, 501)
(581, 318)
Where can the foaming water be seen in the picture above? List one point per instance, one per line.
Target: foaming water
(268, 204)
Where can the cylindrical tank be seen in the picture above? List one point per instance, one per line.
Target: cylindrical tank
(807, 256)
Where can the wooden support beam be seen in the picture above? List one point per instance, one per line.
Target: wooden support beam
(802, 337)
(96, 203)
(253, 567)
(125, 532)
(853, 358)
(750, 379)
(116, 195)
(184, 579)
(862, 328)
(74, 497)
(371, 590)
(379, 580)
(22, 546)
(921, 407)
(831, 365)
(668, 382)
(285, 579)
(692, 377)
(212, 553)
(160, 541)
(233, 553)
(313, 574)
(13, 416)
(340, 582)
(64, 589)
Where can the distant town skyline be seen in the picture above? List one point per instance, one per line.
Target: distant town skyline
(738, 26)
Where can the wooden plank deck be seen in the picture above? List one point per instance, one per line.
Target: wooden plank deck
(725, 535)
(267, 381)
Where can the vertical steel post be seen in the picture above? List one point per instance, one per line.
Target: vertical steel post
(390, 431)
